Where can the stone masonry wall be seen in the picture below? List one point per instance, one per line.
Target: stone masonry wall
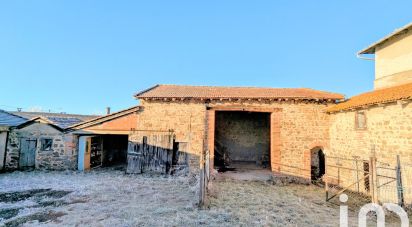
(63, 154)
(186, 119)
(388, 130)
(245, 135)
(12, 151)
(302, 127)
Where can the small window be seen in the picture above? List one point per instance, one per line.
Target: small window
(360, 120)
(46, 144)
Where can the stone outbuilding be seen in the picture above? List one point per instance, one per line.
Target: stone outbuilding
(7, 122)
(243, 127)
(41, 142)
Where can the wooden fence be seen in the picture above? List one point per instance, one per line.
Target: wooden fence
(156, 152)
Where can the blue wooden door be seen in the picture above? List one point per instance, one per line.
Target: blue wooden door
(27, 153)
(83, 162)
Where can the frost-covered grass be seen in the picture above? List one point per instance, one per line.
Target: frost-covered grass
(265, 204)
(111, 198)
(108, 198)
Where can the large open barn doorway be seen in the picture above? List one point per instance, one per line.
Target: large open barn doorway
(242, 140)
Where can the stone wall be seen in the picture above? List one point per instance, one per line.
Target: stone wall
(388, 133)
(185, 118)
(245, 135)
(388, 129)
(12, 151)
(303, 126)
(63, 154)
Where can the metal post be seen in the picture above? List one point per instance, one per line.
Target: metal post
(399, 186)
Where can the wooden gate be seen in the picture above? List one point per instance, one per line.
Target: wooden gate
(27, 152)
(151, 153)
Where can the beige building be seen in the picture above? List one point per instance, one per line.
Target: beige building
(377, 123)
(393, 57)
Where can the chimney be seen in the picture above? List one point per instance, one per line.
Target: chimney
(107, 110)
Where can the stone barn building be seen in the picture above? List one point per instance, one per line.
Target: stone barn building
(378, 123)
(244, 127)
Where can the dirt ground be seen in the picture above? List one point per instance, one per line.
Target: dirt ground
(111, 198)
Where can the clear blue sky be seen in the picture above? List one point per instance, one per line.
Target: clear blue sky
(81, 56)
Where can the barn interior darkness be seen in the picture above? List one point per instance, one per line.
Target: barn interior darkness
(317, 163)
(115, 149)
(108, 150)
(242, 140)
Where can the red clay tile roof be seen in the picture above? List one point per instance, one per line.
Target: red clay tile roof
(210, 92)
(385, 95)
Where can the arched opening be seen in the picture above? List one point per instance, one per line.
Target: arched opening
(317, 164)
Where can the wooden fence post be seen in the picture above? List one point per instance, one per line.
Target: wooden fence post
(326, 188)
(202, 187)
(373, 178)
(325, 178)
(357, 173)
(399, 185)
